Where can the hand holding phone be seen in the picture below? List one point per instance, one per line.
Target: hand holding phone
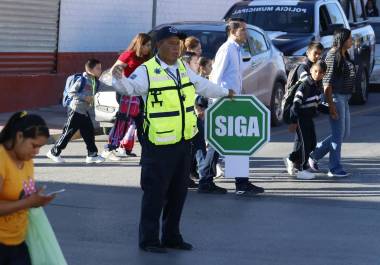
(55, 192)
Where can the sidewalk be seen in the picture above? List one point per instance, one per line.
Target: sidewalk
(55, 117)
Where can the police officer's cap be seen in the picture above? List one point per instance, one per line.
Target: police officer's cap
(169, 31)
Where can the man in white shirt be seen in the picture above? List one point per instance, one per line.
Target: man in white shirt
(168, 87)
(227, 71)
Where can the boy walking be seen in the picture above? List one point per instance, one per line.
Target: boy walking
(81, 93)
(313, 54)
(305, 105)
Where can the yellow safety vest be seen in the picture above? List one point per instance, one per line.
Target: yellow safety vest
(169, 108)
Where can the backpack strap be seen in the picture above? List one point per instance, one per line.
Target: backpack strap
(82, 83)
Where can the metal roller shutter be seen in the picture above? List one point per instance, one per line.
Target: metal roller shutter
(28, 36)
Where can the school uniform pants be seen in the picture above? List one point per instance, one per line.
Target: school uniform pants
(305, 142)
(164, 180)
(14, 255)
(77, 121)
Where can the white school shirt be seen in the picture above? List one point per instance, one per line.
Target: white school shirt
(227, 70)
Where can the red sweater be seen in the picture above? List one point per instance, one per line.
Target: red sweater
(130, 58)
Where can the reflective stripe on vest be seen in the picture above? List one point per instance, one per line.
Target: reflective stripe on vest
(169, 108)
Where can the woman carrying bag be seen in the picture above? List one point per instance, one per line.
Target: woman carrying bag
(20, 141)
(131, 107)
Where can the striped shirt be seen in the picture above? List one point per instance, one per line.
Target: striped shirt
(306, 100)
(342, 83)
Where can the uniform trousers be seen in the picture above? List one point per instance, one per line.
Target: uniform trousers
(164, 180)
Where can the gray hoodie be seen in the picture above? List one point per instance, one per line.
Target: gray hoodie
(78, 104)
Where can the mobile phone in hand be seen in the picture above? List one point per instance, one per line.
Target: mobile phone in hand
(55, 192)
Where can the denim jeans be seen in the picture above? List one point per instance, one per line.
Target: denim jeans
(207, 165)
(340, 130)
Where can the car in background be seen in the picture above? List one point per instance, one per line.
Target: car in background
(265, 77)
(375, 76)
(106, 104)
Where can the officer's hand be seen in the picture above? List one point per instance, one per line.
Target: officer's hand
(231, 93)
(117, 71)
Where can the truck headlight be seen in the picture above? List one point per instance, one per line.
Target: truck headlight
(292, 61)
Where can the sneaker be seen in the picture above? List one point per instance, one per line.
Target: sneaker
(248, 190)
(121, 151)
(338, 174)
(94, 159)
(313, 164)
(219, 171)
(56, 159)
(110, 155)
(304, 174)
(192, 184)
(211, 188)
(289, 166)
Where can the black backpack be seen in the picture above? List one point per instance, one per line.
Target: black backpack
(291, 87)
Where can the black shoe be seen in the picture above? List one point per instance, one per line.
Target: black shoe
(154, 249)
(192, 184)
(129, 153)
(211, 188)
(194, 175)
(248, 189)
(181, 245)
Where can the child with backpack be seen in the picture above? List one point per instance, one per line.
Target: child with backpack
(78, 97)
(298, 73)
(305, 106)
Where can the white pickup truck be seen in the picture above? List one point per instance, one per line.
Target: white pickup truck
(293, 24)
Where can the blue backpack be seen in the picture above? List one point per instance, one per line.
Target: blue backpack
(70, 81)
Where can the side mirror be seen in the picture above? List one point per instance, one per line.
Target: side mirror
(246, 56)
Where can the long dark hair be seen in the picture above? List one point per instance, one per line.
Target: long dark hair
(31, 126)
(341, 35)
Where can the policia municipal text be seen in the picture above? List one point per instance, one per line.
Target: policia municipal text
(169, 88)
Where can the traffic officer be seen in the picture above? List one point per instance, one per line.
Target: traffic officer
(168, 87)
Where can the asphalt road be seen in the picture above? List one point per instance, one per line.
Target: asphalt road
(321, 222)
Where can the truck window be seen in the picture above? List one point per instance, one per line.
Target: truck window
(358, 11)
(297, 18)
(336, 17)
(329, 14)
(256, 42)
(349, 6)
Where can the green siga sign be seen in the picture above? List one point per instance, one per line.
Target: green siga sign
(240, 126)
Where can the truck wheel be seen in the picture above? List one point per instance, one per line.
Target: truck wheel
(276, 103)
(361, 94)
